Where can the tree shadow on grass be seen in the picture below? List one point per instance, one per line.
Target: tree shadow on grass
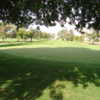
(26, 78)
(11, 44)
(18, 43)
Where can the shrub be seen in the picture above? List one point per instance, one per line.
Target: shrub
(65, 35)
(2, 32)
(78, 38)
(45, 35)
(21, 33)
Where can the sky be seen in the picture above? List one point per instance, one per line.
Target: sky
(55, 29)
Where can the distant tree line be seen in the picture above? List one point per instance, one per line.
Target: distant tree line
(11, 31)
(85, 36)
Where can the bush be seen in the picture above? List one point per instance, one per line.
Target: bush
(65, 35)
(2, 32)
(29, 35)
(78, 38)
(45, 35)
(10, 30)
(93, 36)
(21, 33)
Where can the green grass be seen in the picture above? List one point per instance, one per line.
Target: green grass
(49, 70)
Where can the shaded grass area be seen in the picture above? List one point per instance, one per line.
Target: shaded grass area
(49, 70)
(28, 78)
(10, 44)
(62, 54)
(20, 43)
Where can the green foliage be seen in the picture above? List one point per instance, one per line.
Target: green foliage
(1, 24)
(1, 31)
(10, 30)
(45, 35)
(65, 35)
(21, 33)
(7, 31)
(3, 34)
(78, 38)
(36, 34)
(93, 36)
(48, 11)
(29, 34)
(32, 34)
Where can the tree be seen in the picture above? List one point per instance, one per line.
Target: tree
(30, 34)
(10, 30)
(65, 35)
(2, 33)
(7, 31)
(48, 11)
(21, 33)
(93, 36)
(46, 35)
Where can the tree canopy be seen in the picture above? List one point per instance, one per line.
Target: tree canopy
(22, 12)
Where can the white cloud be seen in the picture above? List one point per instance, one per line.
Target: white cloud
(55, 29)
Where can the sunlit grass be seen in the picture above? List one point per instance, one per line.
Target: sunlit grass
(47, 43)
(55, 50)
